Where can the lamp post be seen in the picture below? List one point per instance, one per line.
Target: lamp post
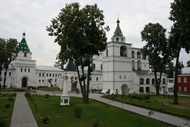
(65, 99)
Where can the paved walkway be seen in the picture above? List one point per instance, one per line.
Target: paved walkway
(22, 115)
(173, 120)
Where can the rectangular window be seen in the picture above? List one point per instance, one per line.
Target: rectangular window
(42, 74)
(21, 70)
(25, 70)
(55, 80)
(39, 74)
(39, 80)
(42, 80)
(53, 75)
(47, 75)
(9, 73)
(28, 70)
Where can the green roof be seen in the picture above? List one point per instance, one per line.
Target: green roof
(23, 45)
(118, 31)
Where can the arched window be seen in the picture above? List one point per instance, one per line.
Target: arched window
(25, 54)
(133, 65)
(138, 55)
(147, 81)
(123, 51)
(185, 80)
(141, 81)
(139, 65)
(164, 81)
(133, 54)
(153, 81)
(179, 80)
(106, 52)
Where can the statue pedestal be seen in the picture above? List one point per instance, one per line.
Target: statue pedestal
(65, 100)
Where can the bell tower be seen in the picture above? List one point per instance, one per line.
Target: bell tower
(118, 35)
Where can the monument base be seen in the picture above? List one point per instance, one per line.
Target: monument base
(65, 100)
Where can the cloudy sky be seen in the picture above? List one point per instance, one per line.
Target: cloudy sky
(32, 16)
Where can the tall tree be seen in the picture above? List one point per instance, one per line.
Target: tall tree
(8, 54)
(156, 49)
(80, 33)
(180, 34)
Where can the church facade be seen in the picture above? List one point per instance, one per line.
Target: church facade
(119, 69)
(24, 72)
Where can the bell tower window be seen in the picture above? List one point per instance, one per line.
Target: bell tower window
(25, 54)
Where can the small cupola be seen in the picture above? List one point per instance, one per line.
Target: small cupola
(118, 35)
(23, 49)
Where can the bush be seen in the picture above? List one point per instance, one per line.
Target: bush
(7, 105)
(77, 112)
(10, 99)
(27, 94)
(45, 119)
(47, 96)
(95, 123)
(2, 121)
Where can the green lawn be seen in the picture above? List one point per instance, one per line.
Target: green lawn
(50, 89)
(107, 116)
(6, 108)
(161, 103)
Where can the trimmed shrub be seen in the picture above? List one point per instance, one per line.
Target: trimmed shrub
(2, 121)
(45, 119)
(77, 112)
(27, 94)
(7, 105)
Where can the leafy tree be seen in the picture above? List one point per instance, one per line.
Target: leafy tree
(179, 35)
(81, 35)
(7, 55)
(170, 69)
(156, 49)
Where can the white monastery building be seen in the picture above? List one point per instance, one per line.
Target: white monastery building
(120, 68)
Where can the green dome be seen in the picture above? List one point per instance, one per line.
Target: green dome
(118, 30)
(23, 45)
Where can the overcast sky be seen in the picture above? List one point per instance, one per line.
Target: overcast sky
(32, 16)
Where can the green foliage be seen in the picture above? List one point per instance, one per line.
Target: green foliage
(47, 96)
(81, 34)
(6, 113)
(7, 105)
(27, 94)
(77, 112)
(156, 49)
(179, 35)
(7, 54)
(95, 123)
(45, 119)
(3, 121)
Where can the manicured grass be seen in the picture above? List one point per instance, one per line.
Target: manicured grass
(12, 90)
(50, 89)
(6, 108)
(161, 103)
(63, 116)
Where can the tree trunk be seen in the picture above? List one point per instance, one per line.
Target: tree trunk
(5, 78)
(84, 89)
(175, 100)
(156, 81)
